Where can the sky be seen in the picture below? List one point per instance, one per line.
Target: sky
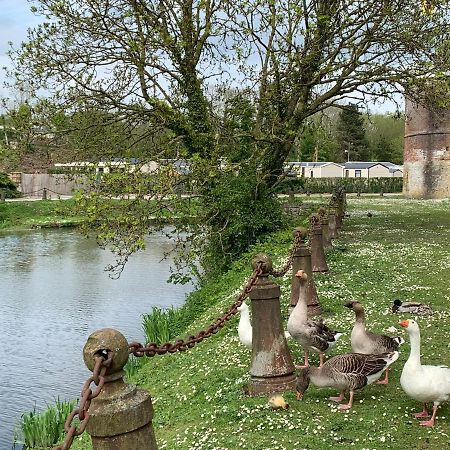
(16, 18)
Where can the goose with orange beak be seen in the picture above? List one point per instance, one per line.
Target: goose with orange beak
(424, 383)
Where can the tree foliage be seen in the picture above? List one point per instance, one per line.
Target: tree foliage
(157, 69)
(351, 133)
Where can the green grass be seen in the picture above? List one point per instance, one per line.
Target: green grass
(399, 252)
(26, 215)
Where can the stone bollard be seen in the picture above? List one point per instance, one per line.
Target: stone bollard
(2, 196)
(272, 369)
(121, 416)
(323, 216)
(291, 196)
(358, 193)
(44, 194)
(332, 228)
(318, 262)
(302, 261)
(381, 193)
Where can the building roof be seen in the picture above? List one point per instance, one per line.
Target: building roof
(310, 164)
(369, 164)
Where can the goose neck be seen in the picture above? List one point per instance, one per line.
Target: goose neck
(414, 356)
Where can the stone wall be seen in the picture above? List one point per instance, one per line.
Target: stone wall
(426, 152)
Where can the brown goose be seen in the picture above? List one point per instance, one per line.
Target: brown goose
(347, 373)
(366, 342)
(312, 335)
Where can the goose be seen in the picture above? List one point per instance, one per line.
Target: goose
(411, 307)
(366, 342)
(347, 373)
(312, 335)
(423, 383)
(245, 331)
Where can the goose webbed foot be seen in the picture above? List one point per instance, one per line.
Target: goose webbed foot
(385, 380)
(423, 413)
(430, 423)
(337, 399)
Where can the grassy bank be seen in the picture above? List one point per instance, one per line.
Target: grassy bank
(401, 251)
(26, 215)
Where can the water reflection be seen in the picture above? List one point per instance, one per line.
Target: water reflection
(54, 292)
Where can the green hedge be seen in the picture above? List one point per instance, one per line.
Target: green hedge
(328, 185)
(8, 187)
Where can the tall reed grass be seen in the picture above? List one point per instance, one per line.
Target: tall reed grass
(42, 430)
(160, 325)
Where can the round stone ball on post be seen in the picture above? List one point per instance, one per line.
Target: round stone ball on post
(318, 261)
(272, 368)
(302, 261)
(121, 416)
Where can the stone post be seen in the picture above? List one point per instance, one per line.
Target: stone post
(44, 194)
(121, 416)
(323, 216)
(302, 261)
(2, 196)
(272, 369)
(319, 264)
(332, 227)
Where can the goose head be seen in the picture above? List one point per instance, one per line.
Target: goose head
(411, 325)
(355, 306)
(243, 307)
(302, 382)
(301, 275)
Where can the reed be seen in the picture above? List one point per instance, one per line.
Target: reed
(42, 430)
(159, 326)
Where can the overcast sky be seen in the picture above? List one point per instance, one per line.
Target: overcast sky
(16, 18)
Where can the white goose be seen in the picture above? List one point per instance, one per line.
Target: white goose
(423, 383)
(312, 335)
(245, 330)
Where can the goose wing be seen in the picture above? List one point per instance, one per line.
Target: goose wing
(385, 343)
(355, 368)
(320, 335)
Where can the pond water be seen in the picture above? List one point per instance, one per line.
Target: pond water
(54, 293)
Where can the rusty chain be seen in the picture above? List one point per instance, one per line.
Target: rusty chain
(152, 348)
(102, 363)
(288, 265)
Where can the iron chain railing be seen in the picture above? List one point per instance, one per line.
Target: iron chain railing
(152, 348)
(288, 265)
(102, 363)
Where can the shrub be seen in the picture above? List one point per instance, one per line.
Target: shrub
(328, 185)
(8, 187)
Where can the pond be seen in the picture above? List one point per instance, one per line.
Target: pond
(54, 292)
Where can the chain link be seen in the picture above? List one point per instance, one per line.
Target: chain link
(288, 265)
(102, 363)
(152, 348)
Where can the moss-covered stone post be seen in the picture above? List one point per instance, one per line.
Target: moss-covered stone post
(272, 368)
(302, 261)
(323, 216)
(318, 261)
(121, 416)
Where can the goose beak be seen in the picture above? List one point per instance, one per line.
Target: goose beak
(301, 274)
(404, 323)
(299, 395)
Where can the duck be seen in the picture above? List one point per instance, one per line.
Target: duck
(312, 335)
(245, 331)
(347, 373)
(426, 384)
(366, 342)
(411, 307)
